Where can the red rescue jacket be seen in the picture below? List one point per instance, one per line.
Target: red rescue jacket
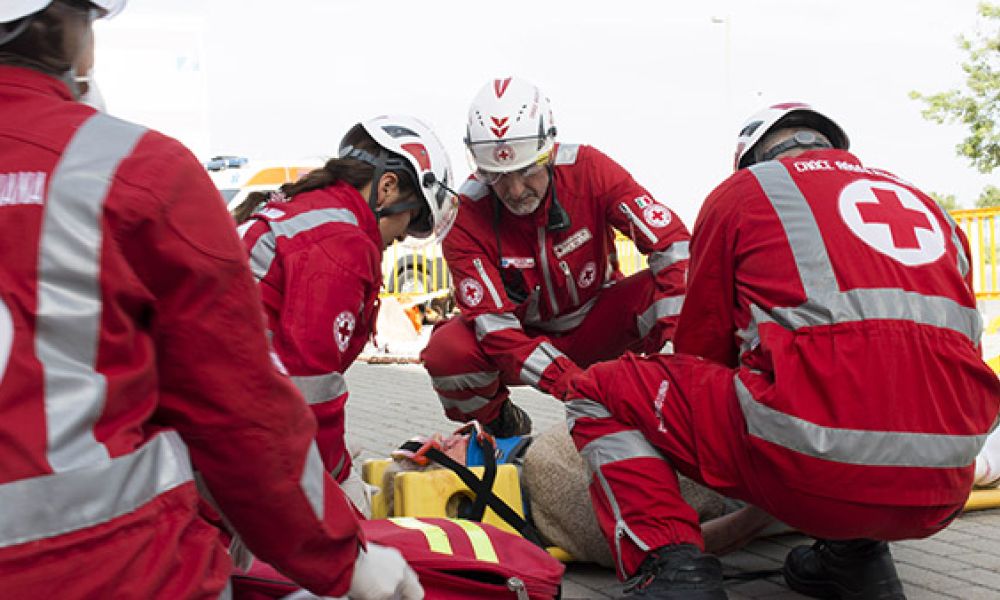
(844, 294)
(131, 348)
(318, 261)
(532, 274)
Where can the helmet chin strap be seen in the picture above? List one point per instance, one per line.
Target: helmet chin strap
(805, 140)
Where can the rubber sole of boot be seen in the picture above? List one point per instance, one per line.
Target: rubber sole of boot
(828, 590)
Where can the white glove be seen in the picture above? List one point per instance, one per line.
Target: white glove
(382, 574)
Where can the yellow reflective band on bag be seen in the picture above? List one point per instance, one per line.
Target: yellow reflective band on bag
(481, 543)
(437, 538)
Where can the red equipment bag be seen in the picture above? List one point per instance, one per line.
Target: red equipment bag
(455, 559)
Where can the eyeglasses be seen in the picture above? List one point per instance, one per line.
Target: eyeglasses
(493, 178)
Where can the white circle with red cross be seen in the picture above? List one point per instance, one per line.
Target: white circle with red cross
(892, 220)
(343, 329)
(588, 275)
(656, 215)
(471, 290)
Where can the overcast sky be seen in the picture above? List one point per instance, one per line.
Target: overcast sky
(661, 86)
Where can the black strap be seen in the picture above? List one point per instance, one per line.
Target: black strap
(479, 488)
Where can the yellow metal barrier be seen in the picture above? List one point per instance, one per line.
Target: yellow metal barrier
(980, 227)
(418, 272)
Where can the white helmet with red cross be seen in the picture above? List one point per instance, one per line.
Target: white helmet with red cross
(510, 126)
(14, 13)
(788, 114)
(427, 163)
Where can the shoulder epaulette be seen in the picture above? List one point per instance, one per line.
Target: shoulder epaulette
(567, 154)
(473, 189)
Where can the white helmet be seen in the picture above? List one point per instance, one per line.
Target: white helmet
(426, 161)
(16, 10)
(788, 114)
(510, 126)
(12, 10)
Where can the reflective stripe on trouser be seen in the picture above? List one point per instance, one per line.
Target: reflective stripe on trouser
(620, 460)
(687, 409)
(471, 385)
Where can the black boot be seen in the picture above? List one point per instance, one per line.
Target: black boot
(511, 421)
(677, 572)
(851, 570)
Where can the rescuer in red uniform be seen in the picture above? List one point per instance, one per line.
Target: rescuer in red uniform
(532, 260)
(828, 372)
(133, 354)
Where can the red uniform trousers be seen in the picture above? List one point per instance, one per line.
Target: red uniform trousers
(469, 382)
(644, 417)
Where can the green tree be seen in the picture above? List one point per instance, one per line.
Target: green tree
(978, 106)
(989, 198)
(946, 201)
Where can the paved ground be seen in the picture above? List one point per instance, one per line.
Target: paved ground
(390, 403)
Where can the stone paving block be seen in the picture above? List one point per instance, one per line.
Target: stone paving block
(980, 559)
(757, 587)
(976, 593)
(935, 546)
(915, 555)
(923, 577)
(916, 593)
(979, 576)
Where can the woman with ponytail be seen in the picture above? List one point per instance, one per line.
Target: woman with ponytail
(316, 245)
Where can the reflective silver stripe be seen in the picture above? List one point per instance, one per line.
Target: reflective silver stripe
(539, 360)
(615, 447)
(637, 222)
(854, 446)
(335, 473)
(67, 329)
(584, 408)
(262, 253)
(826, 304)
(52, 505)
(320, 388)
(227, 592)
(543, 252)
(574, 296)
(488, 282)
(676, 252)
(488, 323)
(312, 480)
(801, 229)
(963, 260)
(464, 381)
(751, 336)
(861, 304)
(664, 307)
(466, 405)
(566, 322)
(609, 449)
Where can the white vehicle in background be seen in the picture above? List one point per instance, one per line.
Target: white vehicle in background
(236, 176)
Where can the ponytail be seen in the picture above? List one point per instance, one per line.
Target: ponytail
(354, 173)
